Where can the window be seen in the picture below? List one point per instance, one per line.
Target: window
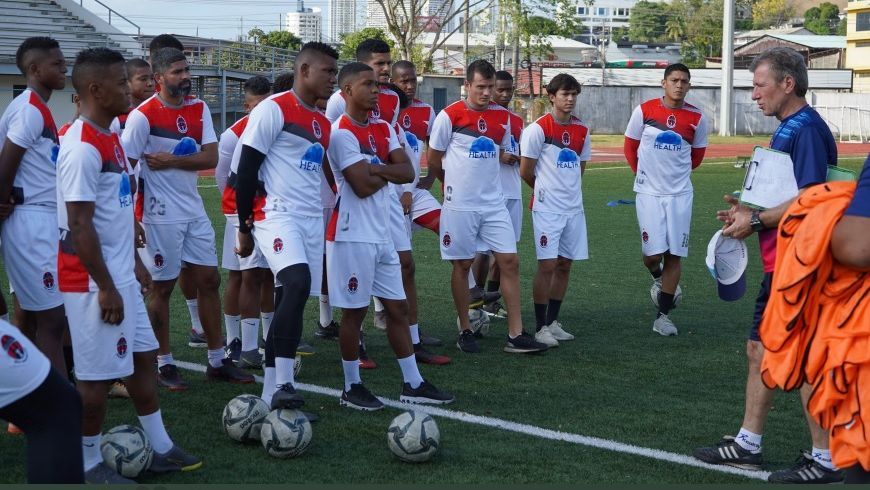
(602, 11)
(862, 21)
(582, 10)
(621, 12)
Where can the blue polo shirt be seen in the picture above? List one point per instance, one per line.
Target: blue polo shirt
(861, 201)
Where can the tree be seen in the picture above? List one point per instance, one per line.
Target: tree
(275, 39)
(646, 22)
(675, 29)
(771, 13)
(823, 20)
(350, 41)
(702, 21)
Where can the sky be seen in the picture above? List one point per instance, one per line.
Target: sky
(220, 19)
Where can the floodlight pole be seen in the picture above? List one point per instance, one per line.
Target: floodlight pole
(726, 103)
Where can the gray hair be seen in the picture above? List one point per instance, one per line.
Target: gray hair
(785, 62)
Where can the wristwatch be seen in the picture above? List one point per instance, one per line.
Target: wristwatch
(755, 221)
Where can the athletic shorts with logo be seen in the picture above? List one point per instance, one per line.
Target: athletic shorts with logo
(29, 244)
(357, 271)
(422, 203)
(664, 223)
(465, 232)
(169, 244)
(102, 351)
(230, 260)
(560, 235)
(22, 366)
(285, 240)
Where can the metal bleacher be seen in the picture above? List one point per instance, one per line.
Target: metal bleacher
(20, 19)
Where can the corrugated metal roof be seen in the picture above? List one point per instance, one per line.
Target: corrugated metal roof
(813, 41)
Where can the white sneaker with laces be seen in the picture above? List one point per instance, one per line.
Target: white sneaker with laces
(664, 326)
(545, 337)
(556, 331)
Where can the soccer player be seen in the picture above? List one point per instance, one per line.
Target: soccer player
(250, 282)
(99, 272)
(28, 183)
(362, 261)
(283, 147)
(464, 151)
(555, 149)
(172, 213)
(664, 141)
(779, 80)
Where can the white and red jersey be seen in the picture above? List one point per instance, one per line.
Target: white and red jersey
(471, 141)
(559, 149)
(226, 148)
(61, 131)
(28, 123)
(418, 119)
(357, 219)
(414, 149)
(294, 138)
(511, 186)
(167, 196)
(387, 108)
(666, 137)
(92, 167)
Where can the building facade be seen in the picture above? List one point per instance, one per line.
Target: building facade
(858, 44)
(342, 19)
(305, 23)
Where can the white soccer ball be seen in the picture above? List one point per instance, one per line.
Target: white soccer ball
(413, 437)
(243, 417)
(127, 450)
(479, 321)
(656, 288)
(286, 433)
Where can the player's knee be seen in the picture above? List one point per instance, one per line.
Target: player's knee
(398, 310)
(508, 263)
(162, 290)
(754, 354)
(563, 265)
(210, 281)
(408, 265)
(652, 260)
(295, 280)
(547, 266)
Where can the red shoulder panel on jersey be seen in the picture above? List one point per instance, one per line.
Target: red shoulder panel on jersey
(682, 121)
(49, 128)
(174, 122)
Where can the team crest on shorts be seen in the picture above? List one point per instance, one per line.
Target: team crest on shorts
(481, 125)
(566, 138)
(406, 121)
(644, 236)
(352, 285)
(543, 241)
(672, 121)
(373, 144)
(13, 348)
(315, 127)
(121, 347)
(376, 111)
(48, 281)
(158, 261)
(446, 240)
(181, 124)
(278, 245)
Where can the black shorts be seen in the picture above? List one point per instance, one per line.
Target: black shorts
(760, 305)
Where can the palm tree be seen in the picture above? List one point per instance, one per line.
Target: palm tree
(674, 29)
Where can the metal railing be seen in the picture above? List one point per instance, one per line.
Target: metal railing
(242, 56)
(110, 12)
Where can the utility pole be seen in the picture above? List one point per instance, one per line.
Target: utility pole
(465, 29)
(725, 103)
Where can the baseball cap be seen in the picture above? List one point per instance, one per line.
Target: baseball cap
(726, 260)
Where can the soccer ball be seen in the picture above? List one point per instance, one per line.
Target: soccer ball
(656, 288)
(286, 433)
(479, 321)
(413, 437)
(243, 417)
(127, 450)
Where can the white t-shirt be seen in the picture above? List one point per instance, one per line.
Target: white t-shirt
(387, 108)
(559, 149)
(471, 141)
(357, 219)
(226, 146)
(511, 186)
(92, 167)
(28, 123)
(167, 196)
(294, 138)
(666, 137)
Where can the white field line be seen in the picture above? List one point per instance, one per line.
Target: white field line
(529, 430)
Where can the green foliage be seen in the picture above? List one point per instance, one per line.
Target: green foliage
(350, 41)
(823, 19)
(647, 21)
(771, 13)
(275, 39)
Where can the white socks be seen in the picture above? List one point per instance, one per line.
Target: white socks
(415, 333)
(284, 371)
(156, 432)
(266, 319)
(193, 308)
(823, 457)
(232, 323)
(250, 328)
(325, 310)
(749, 441)
(268, 384)
(91, 454)
(410, 372)
(216, 357)
(165, 359)
(351, 373)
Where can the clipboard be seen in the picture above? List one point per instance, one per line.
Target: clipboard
(839, 173)
(769, 179)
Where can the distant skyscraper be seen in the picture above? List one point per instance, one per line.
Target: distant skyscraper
(306, 23)
(342, 18)
(375, 16)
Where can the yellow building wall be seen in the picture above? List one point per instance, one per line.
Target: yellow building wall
(858, 46)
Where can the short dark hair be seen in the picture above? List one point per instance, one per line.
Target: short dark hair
(283, 82)
(319, 47)
(39, 43)
(404, 101)
(785, 62)
(257, 85)
(164, 58)
(504, 76)
(352, 70)
(370, 46)
(483, 67)
(403, 65)
(164, 41)
(677, 67)
(135, 63)
(562, 81)
(92, 63)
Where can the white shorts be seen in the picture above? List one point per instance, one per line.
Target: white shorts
(664, 223)
(357, 271)
(463, 231)
(230, 260)
(327, 213)
(422, 202)
(286, 240)
(30, 242)
(22, 366)
(400, 229)
(515, 210)
(101, 351)
(560, 235)
(167, 245)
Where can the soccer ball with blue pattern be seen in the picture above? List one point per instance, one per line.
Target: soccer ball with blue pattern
(127, 450)
(286, 433)
(413, 437)
(243, 417)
